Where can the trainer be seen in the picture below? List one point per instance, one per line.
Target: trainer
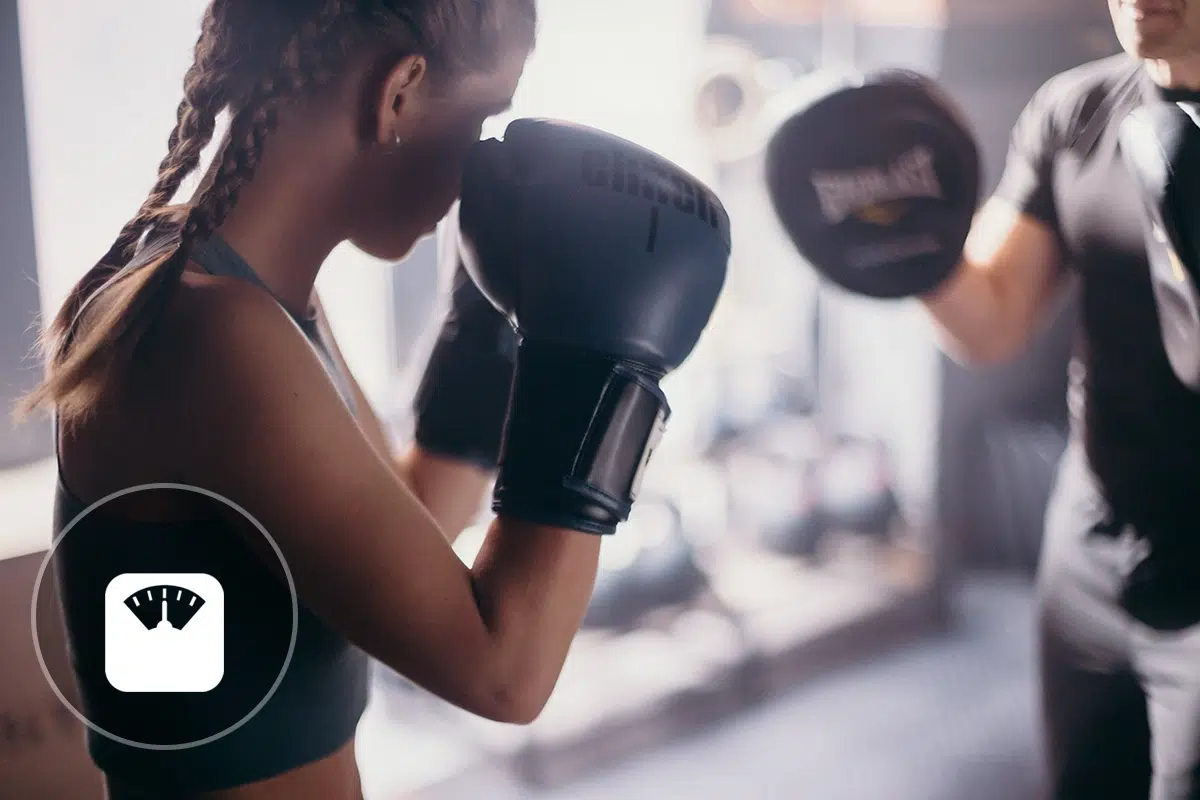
(1101, 183)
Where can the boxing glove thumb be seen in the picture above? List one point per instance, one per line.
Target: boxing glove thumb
(461, 402)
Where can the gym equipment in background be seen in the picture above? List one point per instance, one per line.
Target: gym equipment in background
(750, 392)
(770, 475)
(791, 485)
(649, 564)
(734, 87)
(855, 490)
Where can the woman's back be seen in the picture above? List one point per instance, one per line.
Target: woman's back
(291, 690)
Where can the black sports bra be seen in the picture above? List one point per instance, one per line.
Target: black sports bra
(261, 719)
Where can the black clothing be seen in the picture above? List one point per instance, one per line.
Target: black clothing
(1119, 580)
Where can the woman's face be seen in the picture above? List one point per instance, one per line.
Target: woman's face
(404, 189)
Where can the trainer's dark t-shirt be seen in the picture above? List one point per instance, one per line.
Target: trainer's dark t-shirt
(1139, 426)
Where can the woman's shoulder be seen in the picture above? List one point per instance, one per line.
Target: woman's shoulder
(217, 334)
(196, 365)
(221, 357)
(210, 315)
(216, 306)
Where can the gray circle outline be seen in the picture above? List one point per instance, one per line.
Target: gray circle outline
(287, 661)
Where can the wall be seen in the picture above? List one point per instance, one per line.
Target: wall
(18, 265)
(98, 122)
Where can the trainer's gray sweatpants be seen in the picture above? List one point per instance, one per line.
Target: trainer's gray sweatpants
(1119, 631)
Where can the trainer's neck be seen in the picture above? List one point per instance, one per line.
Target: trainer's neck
(1175, 73)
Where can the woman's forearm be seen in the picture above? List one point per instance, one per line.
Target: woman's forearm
(532, 584)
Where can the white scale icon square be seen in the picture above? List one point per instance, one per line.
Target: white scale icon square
(164, 632)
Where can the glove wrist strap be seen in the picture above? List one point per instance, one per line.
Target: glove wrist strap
(581, 430)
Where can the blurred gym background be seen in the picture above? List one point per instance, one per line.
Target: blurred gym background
(826, 592)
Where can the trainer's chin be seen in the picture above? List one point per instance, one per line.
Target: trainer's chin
(1154, 35)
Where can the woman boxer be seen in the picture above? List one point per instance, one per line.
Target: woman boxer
(1120, 571)
(196, 353)
(348, 120)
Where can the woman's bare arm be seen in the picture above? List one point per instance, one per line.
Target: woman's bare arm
(253, 416)
(452, 491)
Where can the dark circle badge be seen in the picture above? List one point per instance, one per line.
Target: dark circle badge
(180, 632)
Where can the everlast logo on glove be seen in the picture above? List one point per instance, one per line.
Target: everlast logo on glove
(652, 180)
(860, 191)
(875, 178)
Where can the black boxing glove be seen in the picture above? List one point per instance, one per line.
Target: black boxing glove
(1160, 143)
(609, 260)
(876, 179)
(462, 399)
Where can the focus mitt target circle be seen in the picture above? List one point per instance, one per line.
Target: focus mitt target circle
(875, 179)
(1160, 143)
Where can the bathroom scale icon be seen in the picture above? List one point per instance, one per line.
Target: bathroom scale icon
(164, 632)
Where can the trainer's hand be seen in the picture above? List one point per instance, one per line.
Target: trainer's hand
(875, 179)
(1161, 144)
(461, 402)
(609, 259)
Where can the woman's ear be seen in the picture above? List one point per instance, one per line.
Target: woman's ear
(399, 103)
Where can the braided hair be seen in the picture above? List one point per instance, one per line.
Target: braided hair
(251, 58)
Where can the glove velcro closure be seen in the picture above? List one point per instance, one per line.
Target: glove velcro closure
(581, 430)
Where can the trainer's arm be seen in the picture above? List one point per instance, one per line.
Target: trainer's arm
(1011, 272)
(453, 491)
(265, 427)
(1012, 266)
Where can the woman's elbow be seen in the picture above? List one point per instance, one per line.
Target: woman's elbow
(505, 689)
(479, 686)
(513, 703)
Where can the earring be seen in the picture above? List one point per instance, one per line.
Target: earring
(396, 141)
